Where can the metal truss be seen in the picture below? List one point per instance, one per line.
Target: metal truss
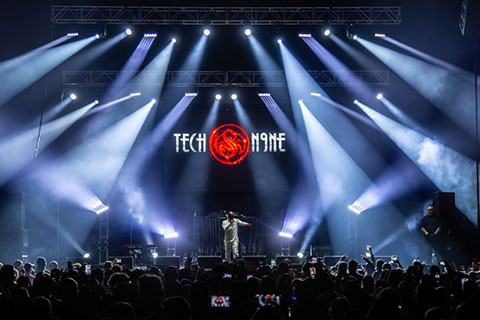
(63, 14)
(213, 79)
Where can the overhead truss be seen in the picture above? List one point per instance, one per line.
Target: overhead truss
(65, 14)
(212, 79)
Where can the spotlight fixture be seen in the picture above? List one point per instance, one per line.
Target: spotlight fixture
(218, 96)
(356, 208)
(206, 32)
(171, 235)
(190, 94)
(285, 235)
(86, 255)
(174, 40)
(72, 34)
(355, 37)
(305, 35)
(128, 32)
(100, 208)
(97, 36)
(379, 35)
(135, 94)
(355, 101)
(327, 32)
(234, 96)
(150, 35)
(300, 255)
(73, 96)
(154, 255)
(379, 96)
(96, 102)
(248, 32)
(279, 40)
(315, 94)
(264, 94)
(153, 101)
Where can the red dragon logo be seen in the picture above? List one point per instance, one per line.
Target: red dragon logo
(229, 144)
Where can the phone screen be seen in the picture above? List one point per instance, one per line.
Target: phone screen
(88, 269)
(220, 301)
(265, 299)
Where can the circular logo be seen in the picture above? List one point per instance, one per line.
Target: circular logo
(229, 144)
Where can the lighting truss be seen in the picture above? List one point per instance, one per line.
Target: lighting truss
(214, 79)
(369, 15)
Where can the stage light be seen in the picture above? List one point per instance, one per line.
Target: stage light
(218, 96)
(135, 94)
(379, 35)
(265, 94)
(315, 94)
(97, 36)
(150, 35)
(248, 32)
(300, 255)
(206, 32)
(128, 32)
(72, 34)
(102, 209)
(355, 101)
(354, 208)
(327, 32)
(305, 35)
(379, 96)
(96, 102)
(285, 235)
(171, 235)
(73, 96)
(234, 96)
(190, 94)
(86, 255)
(154, 255)
(174, 40)
(279, 40)
(355, 37)
(153, 101)
(98, 207)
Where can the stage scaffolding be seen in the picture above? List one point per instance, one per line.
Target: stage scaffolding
(221, 79)
(209, 235)
(263, 16)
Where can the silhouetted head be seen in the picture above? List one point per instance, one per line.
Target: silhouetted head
(431, 210)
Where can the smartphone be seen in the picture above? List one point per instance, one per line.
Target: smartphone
(220, 301)
(249, 276)
(314, 260)
(313, 272)
(227, 275)
(265, 299)
(88, 269)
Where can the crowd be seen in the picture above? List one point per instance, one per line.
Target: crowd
(241, 290)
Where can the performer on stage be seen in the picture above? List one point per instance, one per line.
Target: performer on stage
(230, 225)
(430, 227)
